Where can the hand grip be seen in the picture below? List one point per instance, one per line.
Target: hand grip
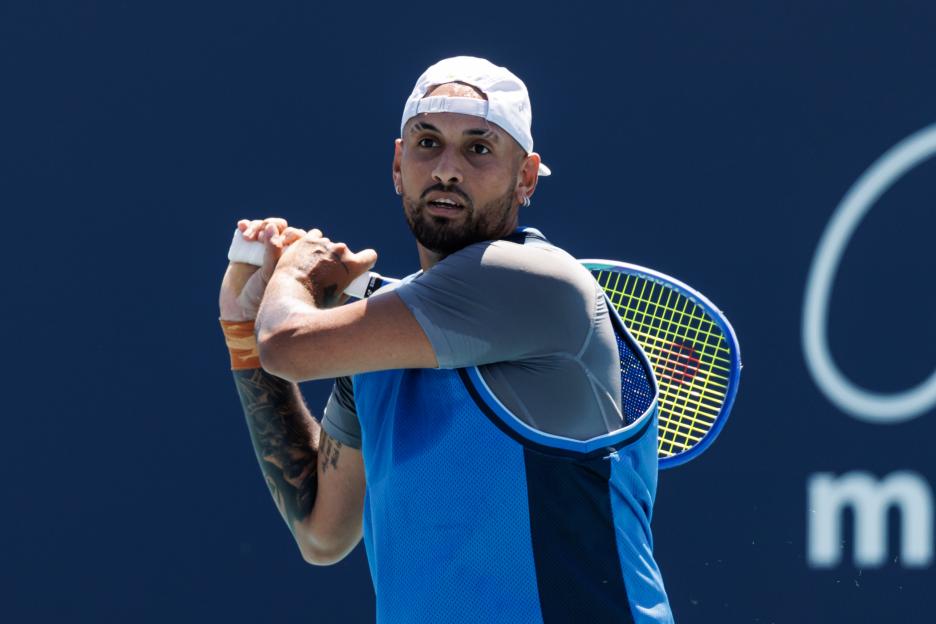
(251, 252)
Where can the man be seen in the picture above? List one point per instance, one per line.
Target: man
(504, 480)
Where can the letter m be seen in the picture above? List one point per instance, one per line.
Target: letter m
(870, 501)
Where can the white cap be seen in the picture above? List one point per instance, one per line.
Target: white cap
(507, 103)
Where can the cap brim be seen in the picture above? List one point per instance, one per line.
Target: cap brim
(544, 170)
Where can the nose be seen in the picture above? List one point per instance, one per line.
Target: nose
(447, 169)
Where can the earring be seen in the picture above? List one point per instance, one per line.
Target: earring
(397, 189)
(526, 201)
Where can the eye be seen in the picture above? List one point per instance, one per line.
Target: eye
(480, 148)
(427, 142)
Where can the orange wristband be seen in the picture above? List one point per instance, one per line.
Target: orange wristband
(242, 344)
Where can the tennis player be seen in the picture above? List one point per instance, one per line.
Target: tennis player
(477, 434)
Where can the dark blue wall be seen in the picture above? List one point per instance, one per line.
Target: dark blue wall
(711, 142)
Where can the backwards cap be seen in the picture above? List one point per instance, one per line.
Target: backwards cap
(507, 103)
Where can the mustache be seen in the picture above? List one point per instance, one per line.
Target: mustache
(446, 189)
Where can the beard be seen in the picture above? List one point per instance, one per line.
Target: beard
(445, 236)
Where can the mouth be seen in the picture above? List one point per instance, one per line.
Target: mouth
(444, 207)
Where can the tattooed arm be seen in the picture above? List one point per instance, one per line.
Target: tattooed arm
(316, 483)
(285, 438)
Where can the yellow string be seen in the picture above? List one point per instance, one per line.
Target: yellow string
(689, 401)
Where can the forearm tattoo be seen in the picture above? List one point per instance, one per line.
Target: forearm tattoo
(283, 436)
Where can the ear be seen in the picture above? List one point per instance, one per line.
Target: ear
(396, 172)
(528, 176)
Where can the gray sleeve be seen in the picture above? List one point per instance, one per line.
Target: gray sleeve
(501, 301)
(340, 420)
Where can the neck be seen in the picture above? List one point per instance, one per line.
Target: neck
(427, 257)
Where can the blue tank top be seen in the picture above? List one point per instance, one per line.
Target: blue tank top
(473, 516)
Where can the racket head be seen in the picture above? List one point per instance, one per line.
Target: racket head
(691, 346)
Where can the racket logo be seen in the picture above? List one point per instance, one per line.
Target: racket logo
(679, 363)
(873, 407)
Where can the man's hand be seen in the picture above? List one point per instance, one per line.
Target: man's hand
(244, 284)
(324, 268)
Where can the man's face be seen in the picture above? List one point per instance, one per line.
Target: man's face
(459, 176)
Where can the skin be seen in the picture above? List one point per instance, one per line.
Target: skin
(305, 333)
(466, 159)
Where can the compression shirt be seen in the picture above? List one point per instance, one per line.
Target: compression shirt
(533, 320)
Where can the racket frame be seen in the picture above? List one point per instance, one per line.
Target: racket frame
(734, 376)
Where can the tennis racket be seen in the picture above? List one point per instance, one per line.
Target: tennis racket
(691, 346)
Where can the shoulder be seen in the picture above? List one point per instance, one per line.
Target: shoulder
(510, 264)
(548, 277)
(523, 280)
(537, 259)
(500, 301)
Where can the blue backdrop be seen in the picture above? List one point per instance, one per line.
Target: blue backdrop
(710, 141)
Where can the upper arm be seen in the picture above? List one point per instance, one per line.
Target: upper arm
(333, 528)
(379, 333)
(500, 302)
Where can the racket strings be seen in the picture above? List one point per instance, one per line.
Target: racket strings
(687, 350)
(659, 340)
(683, 421)
(680, 321)
(686, 422)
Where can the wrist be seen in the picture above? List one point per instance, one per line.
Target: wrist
(242, 344)
(235, 314)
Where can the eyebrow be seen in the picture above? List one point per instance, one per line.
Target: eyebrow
(486, 133)
(421, 125)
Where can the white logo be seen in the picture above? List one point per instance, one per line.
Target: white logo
(858, 402)
(870, 501)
